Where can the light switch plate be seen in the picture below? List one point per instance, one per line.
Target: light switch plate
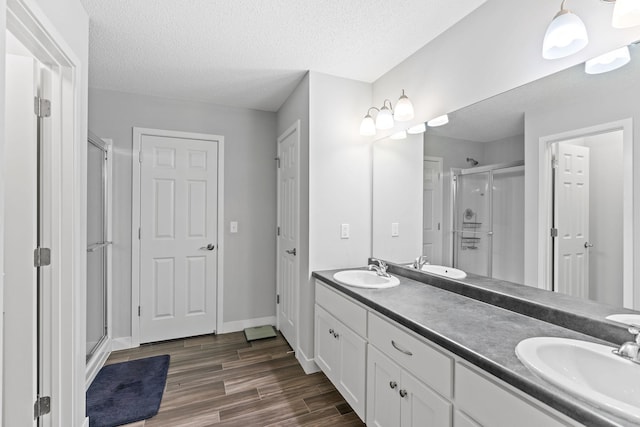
(395, 229)
(344, 231)
(233, 227)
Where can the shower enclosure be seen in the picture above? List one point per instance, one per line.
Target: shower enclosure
(97, 244)
(488, 220)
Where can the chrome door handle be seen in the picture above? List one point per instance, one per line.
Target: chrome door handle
(401, 350)
(588, 245)
(291, 252)
(209, 247)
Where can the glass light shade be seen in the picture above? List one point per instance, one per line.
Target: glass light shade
(565, 36)
(368, 126)
(438, 121)
(626, 13)
(608, 62)
(384, 119)
(404, 109)
(421, 128)
(399, 135)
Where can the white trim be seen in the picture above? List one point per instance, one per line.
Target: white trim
(239, 325)
(66, 227)
(308, 364)
(630, 291)
(86, 422)
(97, 361)
(294, 128)
(122, 343)
(138, 132)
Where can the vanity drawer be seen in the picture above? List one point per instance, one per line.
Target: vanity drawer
(426, 363)
(348, 312)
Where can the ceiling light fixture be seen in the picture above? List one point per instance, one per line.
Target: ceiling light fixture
(565, 35)
(386, 116)
(438, 121)
(626, 13)
(608, 61)
(420, 128)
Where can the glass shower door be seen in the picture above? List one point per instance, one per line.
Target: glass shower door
(473, 223)
(97, 245)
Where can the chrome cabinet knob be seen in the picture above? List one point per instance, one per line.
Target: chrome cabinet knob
(403, 393)
(393, 384)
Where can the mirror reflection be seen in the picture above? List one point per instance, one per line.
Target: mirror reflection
(462, 194)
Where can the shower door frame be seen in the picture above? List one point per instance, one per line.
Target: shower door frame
(103, 348)
(455, 173)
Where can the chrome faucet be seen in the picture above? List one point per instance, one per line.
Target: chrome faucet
(380, 269)
(630, 350)
(420, 261)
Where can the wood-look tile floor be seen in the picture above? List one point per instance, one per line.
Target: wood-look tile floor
(223, 380)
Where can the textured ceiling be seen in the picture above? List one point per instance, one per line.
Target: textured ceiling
(252, 53)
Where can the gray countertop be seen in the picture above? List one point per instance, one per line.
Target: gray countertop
(483, 334)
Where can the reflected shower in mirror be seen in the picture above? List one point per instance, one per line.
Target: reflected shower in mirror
(494, 185)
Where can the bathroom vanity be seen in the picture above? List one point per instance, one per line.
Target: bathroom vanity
(422, 354)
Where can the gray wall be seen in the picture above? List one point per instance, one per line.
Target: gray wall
(250, 193)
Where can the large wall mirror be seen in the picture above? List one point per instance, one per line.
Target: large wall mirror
(533, 186)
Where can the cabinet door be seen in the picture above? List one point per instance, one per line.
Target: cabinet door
(383, 383)
(327, 350)
(421, 406)
(353, 365)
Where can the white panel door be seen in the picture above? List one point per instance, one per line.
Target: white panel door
(288, 229)
(20, 348)
(383, 383)
(421, 406)
(432, 210)
(178, 254)
(571, 269)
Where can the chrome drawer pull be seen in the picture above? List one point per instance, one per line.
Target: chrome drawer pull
(401, 350)
(393, 384)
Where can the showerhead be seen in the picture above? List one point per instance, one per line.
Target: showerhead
(473, 162)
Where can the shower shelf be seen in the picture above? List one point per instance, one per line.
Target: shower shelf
(469, 242)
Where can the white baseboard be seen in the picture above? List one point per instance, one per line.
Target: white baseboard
(122, 343)
(239, 325)
(308, 364)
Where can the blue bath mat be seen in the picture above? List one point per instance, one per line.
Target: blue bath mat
(126, 392)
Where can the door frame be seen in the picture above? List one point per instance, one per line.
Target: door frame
(294, 128)
(63, 167)
(631, 292)
(138, 133)
(440, 161)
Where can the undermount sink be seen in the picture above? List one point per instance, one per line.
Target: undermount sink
(588, 370)
(365, 279)
(442, 270)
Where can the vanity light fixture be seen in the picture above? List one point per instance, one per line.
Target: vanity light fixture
(438, 121)
(420, 128)
(399, 135)
(386, 115)
(608, 61)
(565, 35)
(626, 13)
(404, 109)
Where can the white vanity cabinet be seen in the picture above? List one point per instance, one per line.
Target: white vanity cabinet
(401, 379)
(340, 351)
(396, 398)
